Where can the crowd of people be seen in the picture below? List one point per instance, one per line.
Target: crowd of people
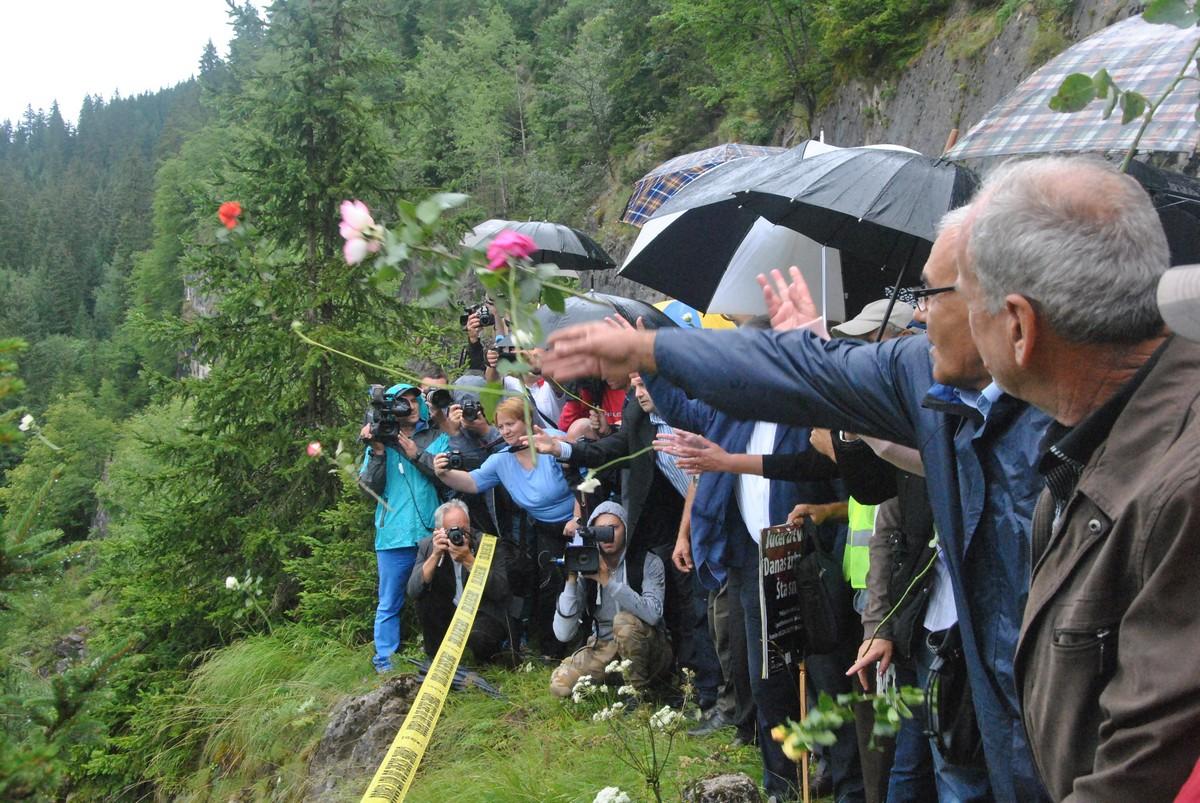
(1006, 473)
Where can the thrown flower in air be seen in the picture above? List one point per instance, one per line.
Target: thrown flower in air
(26, 423)
(507, 245)
(314, 449)
(231, 583)
(229, 212)
(589, 485)
(359, 230)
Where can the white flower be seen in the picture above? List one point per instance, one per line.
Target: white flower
(664, 718)
(611, 794)
(613, 666)
(626, 691)
(582, 688)
(589, 485)
(625, 665)
(231, 583)
(26, 423)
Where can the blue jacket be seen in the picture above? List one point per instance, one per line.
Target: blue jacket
(406, 485)
(981, 479)
(719, 537)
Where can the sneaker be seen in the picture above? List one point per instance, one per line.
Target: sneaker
(710, 724)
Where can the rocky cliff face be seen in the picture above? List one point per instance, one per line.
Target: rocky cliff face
(972, 62)
(955, 81)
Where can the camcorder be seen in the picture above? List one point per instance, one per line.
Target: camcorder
(471, 409)
(457, 535)
(585, 558)
(385, 412)
(486, 318)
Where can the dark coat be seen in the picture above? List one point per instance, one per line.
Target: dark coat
(497, 597)
(981, 477)
(1110, 685)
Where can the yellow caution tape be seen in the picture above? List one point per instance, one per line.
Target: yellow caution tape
(395, 775)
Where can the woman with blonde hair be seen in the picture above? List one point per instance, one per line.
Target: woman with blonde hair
(539, 487)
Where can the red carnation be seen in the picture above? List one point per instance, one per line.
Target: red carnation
(229, 213)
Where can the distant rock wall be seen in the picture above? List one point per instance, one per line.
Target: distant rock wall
(952, 84)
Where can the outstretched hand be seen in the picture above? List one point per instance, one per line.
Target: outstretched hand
(693, 453)
(543, 443)
(790, 305)
(598, 349)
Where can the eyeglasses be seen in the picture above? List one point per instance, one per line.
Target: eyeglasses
(921, 294)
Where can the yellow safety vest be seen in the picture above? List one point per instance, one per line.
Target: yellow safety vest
(857, 558)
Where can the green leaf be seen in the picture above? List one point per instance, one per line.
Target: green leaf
(428, 211)
(1102, 82)
(449, 200)
(1076, 91)
(1112, 103)
(1170, 12)
(1133, 105)
(489, 396)
(552, 297)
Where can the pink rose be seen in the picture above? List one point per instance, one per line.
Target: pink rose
(359, 230)
(506, 245)
(314, 449)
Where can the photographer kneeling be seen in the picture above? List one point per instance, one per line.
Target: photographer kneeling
(444, 563)
(625, 602)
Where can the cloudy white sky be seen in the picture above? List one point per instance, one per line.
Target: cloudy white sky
(67, 49)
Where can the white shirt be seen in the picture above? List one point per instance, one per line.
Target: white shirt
(941, 612)
(753, 491)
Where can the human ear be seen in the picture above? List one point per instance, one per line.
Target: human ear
(1022, 328)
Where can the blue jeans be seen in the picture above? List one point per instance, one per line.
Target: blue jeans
(395, 566)
(955, 783)
(911, 780)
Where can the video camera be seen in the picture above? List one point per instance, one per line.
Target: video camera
(385, 412)
(486, 318)
(585, 558)
(439, 398)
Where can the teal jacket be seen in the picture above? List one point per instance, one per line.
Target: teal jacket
(407, 486)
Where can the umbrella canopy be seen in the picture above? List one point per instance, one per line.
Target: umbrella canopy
(673, 175)
(593, 306)
(690, 317)
(705, 246)
(1138, 55)
(568, 248)
(881, 205)
(1176, 197)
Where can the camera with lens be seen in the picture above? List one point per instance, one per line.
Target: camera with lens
(457, 535)
(439, 398)
(471, 409)
(585, 558)
(385, 412)
(486, 318)
(456, 460)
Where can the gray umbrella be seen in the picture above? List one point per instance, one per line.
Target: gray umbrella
(561, 245)
(593, 306)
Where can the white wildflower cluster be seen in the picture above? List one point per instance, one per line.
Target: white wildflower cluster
(231, 583)
(583, 689)
(26, 423)
(611, 794)
(618, 666)
(527, 667)
(626, 691)
(664, 718)
(608, 713)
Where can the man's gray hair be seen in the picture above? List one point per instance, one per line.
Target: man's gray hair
(439, 515)
(1076, 237)
(953, 219)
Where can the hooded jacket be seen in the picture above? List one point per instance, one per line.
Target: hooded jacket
(407, 486)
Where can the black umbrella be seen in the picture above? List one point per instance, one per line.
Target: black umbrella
(1176, 197)
(568, 248)
(593, 306)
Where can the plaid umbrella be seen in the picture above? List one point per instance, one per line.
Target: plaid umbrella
(1138, 55)
(671, 176)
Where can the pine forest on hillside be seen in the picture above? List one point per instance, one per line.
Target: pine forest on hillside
(171, 427)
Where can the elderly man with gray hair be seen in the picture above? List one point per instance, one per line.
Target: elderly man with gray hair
(1061, 265)
(443, 566)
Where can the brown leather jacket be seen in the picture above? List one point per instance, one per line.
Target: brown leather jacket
(1108, 665)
